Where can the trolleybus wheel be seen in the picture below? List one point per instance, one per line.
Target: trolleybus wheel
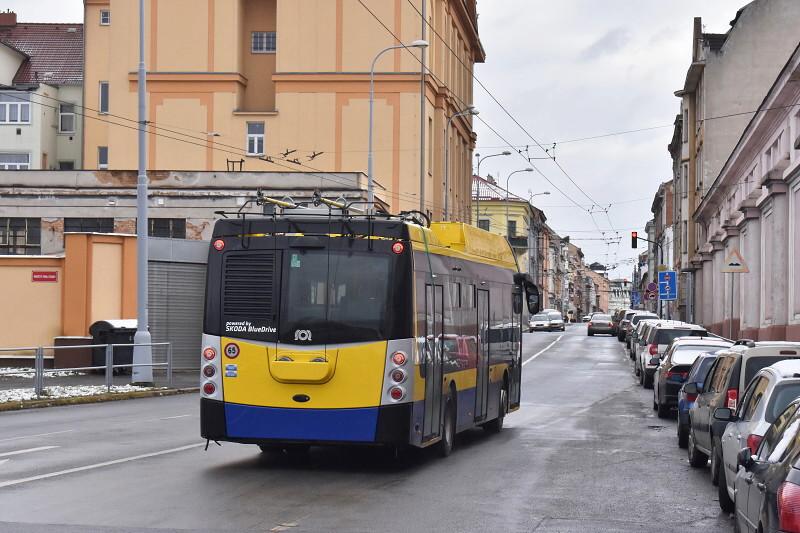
(445, 446)
(496, 425)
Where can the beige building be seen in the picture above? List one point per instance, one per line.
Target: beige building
(239, 83)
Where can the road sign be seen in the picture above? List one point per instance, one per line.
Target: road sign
(651, 295)
(635, 299)
(652, 287)
(668, 285)
(734, 263)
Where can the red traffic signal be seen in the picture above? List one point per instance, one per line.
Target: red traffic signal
(634, 239)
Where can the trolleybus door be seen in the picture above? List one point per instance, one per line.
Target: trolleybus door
(515, 381)
(434, 337)
(482, 382)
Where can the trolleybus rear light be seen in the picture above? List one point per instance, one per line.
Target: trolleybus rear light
(398, 376)
(399, 358)
(396, 393)
(209, 388)
(219, 245)
(232, 350)
(398, 248)
(209, 354)
(209, 371)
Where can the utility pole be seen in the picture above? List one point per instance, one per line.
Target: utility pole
(422, 98)
(143, 351)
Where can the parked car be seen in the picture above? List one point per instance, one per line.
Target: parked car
(727, 379)
(586, 318)
(636, 319)
(539, 322)
(635, 338)
(616, 318)
(659, 336)
(556, 321)
(673, 369)
(767, 395)
(625, 324)
(767, 485)
(697, 375)
(600, 324)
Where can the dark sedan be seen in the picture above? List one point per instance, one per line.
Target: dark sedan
(768, 483)
(601, 324)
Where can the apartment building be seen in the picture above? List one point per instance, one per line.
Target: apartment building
(41, 80)
(271, 85)
(729, 75)
(619, 295)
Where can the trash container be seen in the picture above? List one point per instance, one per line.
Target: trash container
(113, 332)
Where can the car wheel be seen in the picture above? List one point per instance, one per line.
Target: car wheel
(725, 502)
(648, 381)
(736, 528)
(697, 459)
(445, 446)
(663, 410)
(715, 462)
(683, 435)
(591, 334)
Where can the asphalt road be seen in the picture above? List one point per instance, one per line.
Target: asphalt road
(585, 453)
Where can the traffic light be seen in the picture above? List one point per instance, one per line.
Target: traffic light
(634, 239)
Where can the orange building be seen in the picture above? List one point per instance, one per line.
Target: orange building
(250, 80)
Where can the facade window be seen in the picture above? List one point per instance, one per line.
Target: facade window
(255, 138)
(66, 165)
(171, 228)
(66, 118)
(15, 108)
(105, 17)
(20, 236)
(484, 224)
(264, 42)
(430, 146)
(512, 228)
(685, 237)
(102, 157)
(15, 161)
(103, 97)
(88, 225)
(685, 126)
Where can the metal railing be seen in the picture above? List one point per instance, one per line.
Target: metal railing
(39, 371)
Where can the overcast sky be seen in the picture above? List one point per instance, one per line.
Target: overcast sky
(566, 70)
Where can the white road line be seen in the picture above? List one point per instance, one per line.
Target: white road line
(173, 417)
(37, 435)
(29, 450)
(4, 461)
(534, 356)
(97, 465)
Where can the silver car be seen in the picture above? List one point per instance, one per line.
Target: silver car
(556, 321)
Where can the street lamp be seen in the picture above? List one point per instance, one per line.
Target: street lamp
(468, 111)
(478, 195)
(415, 44)
(529, 169)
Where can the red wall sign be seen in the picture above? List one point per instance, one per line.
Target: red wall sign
(48, 276)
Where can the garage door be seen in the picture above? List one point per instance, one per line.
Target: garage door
(176, 310)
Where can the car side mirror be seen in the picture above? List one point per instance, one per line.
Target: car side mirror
(655, 361)
(745, 459)
(724, 414)
(691, 388)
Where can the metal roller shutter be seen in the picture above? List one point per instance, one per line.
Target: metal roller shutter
(176, 295)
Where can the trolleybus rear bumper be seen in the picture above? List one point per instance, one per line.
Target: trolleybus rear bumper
(250, 424)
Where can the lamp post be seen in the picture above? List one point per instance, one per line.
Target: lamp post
(529, 169)
(478, 171)
(370, 192)
(142, 351)
(468, 111)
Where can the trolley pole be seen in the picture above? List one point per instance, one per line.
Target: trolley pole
(142, 351)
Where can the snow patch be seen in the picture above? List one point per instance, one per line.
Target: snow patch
(12, 372)
(19, 395)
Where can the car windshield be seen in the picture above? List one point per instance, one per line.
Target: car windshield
(635, 320)
(602, 318)
(686, 355)
(781, 397)
(666, 336)
(555, 316)
(754, 364)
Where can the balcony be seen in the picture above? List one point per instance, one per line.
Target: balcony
(518, 241)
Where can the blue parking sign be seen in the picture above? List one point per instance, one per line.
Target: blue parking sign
(668, 285)
(635, 299)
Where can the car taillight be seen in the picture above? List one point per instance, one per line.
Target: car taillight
(691, 397)
(789, 507)
(733, 396)
(654, 349)
(399, 358)
(219, 245)
(397, 393)
(209, 354)
(209, 371)
(590, 324)
(209, 388)
(679, 375)
(398, 248)
(753, 442)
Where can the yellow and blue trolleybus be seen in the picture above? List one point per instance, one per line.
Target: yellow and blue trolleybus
(331, 328)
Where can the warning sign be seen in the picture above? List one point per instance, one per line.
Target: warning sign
(734, 263)
(44, 276)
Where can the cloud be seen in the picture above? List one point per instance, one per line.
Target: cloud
(609, 44)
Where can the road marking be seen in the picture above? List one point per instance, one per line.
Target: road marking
(29, 450)
(4, 461)
(37, 435)
(534, 356)
(4, 484)
(173, 417)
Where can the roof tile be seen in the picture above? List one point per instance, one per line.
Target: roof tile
(55, 52)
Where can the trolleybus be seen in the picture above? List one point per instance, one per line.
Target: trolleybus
(324, 327)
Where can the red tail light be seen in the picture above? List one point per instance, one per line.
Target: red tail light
(219, 245)
(789, 507)
(398, 248)
(733, 396)
(753, 442)
(590, 324)
(399, 358)
(397, 393)
(209, 388)
(654, 349)
(681, 375)
(691, 397)
(209, 353)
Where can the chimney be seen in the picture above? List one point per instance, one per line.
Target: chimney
(8, 18)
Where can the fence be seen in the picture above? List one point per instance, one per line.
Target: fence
(39, 370)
